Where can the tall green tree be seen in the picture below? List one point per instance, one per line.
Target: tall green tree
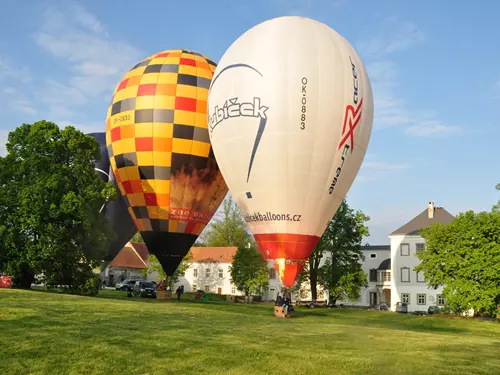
(249, 271)
(49, 206)
(464, 257)
(228, 230)
(154, 265)
(341, 275)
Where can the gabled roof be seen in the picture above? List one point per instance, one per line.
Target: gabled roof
(128, 257)
(141, 249)
(213, 254)
(415, 225)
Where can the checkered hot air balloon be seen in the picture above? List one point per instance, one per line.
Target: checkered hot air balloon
(160, 151)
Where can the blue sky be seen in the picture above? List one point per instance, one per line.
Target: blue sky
(434, 66)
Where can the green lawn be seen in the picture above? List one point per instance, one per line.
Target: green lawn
(47, 333)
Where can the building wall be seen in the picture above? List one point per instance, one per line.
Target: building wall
(212, 277)
(373, 286)
(402, 266)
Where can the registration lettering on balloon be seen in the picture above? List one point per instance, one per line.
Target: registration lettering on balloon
(120, 119)
(304, 103)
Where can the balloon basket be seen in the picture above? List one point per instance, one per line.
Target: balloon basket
(278, 313)
(164, 295)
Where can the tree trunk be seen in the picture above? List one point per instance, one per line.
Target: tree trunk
(24, 278)
(313, 278)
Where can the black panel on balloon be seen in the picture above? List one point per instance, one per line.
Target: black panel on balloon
(169, 248)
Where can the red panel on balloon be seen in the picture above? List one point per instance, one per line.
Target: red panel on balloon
(286, 245)
(293, 249)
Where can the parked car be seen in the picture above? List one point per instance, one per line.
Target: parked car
(402, 307)
(144, 288)
(125, 285)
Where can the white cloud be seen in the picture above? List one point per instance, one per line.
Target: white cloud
(393, 35)
(432, 127)
(9, 90)
(391, 110)
(374, 169)
(25, 106)
(384, 166)
(96, 60)
(18, 73)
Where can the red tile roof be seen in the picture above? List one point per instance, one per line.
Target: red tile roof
(141, 249)
(128, 257)
(213, 254)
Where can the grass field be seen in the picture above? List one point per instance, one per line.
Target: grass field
(47, 333)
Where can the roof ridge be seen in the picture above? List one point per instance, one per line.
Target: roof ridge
(138, 255)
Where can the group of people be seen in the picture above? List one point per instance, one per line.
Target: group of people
(285, 303)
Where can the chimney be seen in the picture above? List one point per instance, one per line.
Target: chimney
(430, 209)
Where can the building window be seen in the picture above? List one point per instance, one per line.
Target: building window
(386, 276)
(195, 272)
(207, 272)
(420, 247)
(440, 300)
(405, 249)
(233, 290)
(194, 287)
(405, 274)
(221, 273)
(420, 277)
(405, 297)
(272, 273)
(373, 275)
(421, 299)
(373, 255)
(207, 288)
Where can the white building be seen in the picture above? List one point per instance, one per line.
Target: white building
(377, 266)
(128, 265)
(406, 285)
(209, 271)
(391, 278)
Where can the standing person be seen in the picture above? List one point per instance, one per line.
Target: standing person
(179, 293)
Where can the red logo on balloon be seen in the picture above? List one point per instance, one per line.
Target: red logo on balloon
(351, 118)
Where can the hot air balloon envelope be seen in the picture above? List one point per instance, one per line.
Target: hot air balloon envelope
(290, 113)
(115, 212)
(160, 152)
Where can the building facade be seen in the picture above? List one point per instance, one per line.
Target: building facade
(407, 285)
(390, 269)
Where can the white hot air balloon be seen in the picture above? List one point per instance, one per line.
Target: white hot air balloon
(290, 113)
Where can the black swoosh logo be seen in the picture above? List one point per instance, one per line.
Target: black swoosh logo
(263, 121)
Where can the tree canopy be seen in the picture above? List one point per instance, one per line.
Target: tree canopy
(228, 230)
(464, 257)
(249, 271)
(341, 274)
(50, 196)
